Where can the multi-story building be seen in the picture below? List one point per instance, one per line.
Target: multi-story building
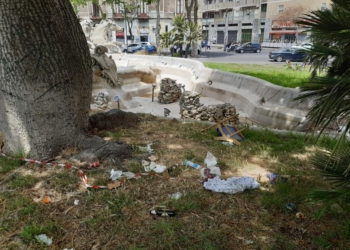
(252, 20)
(276, 29)
(144, 25)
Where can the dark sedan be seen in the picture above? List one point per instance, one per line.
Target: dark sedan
(287, 54)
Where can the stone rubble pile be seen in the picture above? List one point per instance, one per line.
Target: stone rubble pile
(101, 101)
(191, 108)
(169, 92)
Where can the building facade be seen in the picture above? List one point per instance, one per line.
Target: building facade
(252, 20)
(144, 24)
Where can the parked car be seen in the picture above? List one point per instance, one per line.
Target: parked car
(249, 47)
(302, 46)
(132, 48)
(149, 48)
(287, 54)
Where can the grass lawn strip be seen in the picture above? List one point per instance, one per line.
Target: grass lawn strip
(278, 75)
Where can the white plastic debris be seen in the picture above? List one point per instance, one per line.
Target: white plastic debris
(227, 143)
(215, 171)
(76, 202)
(147, 148)
(210, 163)
(115, 174)
(43, 238)
(153, 167)
(231, 185)
(128, 175)
(175, 196)
(210, 160)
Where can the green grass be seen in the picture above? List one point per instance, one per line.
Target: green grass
(278, 75)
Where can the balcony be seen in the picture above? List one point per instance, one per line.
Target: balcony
(217, 6)
(206, 21)
(118, 16)
(247, 3)
(143, 16)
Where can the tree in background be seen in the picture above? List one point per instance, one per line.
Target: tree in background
(330, 91)
(293, 13)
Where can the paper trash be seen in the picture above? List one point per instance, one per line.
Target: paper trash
(231, 185)
(153, 167)
(43, 238)
(147, 148)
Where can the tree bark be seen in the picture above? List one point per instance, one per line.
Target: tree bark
(46, 77)
(158, 25)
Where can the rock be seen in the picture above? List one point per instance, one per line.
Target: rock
(337, 208)
(170, 91)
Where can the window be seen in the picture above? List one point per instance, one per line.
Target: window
(166, 28)
(280, 8)
(263, 7)
(324, 6)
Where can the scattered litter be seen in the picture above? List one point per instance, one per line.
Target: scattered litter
(68, 248)
(113, 185)
(163, 212)
(147, 148)
(227, 143)
(175, 196)
(290, 206)
(231, 185)
(211, 169)
(209, 173)
(191, 164)
(210, 160)
(272, 177)
(76, 202)
(172, 168)
(46, 200)
(299, 215)
(43, 238)
(153, 167)
(248, 242)
(153, 158)
(129, 175)
(115, 174)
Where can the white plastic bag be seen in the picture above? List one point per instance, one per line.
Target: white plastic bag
(210, 160)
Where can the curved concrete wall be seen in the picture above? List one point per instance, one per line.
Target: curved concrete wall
(245, 92)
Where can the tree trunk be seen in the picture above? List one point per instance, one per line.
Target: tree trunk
(158, 25)
(46, 77)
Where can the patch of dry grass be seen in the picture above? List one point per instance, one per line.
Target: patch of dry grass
(120, 219)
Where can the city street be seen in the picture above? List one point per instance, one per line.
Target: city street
(218, 55)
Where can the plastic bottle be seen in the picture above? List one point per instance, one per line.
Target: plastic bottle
(191, 164)
(163, 213)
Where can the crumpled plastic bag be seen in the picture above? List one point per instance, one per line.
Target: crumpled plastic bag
(147, 148)
(210, 160)
(231, 185)
(115, 174)
(210, 163)
(153, 167)
(43, 238)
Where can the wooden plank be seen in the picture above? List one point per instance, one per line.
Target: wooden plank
(220, 122)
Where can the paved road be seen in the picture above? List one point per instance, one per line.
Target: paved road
(218, 55)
